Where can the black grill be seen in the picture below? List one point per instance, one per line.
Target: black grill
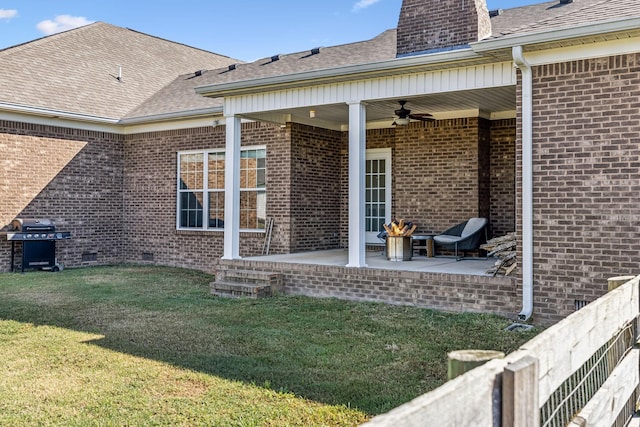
(38, 237)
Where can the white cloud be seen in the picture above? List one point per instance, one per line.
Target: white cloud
(62, 23)
(8, 13)
(363, 4)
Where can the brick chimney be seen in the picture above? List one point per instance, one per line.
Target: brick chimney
(439, 25)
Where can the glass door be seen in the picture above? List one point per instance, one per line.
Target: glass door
(377, 192)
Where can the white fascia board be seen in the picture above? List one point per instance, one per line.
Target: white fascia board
(584, 30)
(575, 53)
(176, 124)
(55, 114)
(59, 121)
(160, 122)
(213, 111)
(337, 74)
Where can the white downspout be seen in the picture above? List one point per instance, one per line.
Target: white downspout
(527, 182)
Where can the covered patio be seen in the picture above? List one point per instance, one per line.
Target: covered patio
(376, 259)
(436, 283)
(346, 160)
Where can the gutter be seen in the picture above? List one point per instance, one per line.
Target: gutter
(527, 182)
(171, 116)
(54, 114)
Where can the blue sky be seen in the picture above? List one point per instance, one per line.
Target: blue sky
(243, 29)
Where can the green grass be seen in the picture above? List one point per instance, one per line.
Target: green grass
(149, 346)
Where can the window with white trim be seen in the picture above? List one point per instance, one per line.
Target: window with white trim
(200, 204)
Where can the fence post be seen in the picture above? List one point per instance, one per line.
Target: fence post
(614, 282)
(520, 407)
(461, 361)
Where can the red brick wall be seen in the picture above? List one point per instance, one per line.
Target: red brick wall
(315, 188)
(71, 176)
(150, 196)
(586, 141)
(438, 174)
(503, 177)
(445, 172)
(441, 291)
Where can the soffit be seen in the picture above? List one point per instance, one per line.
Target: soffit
(479, 102)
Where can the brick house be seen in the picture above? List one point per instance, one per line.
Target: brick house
(162, 153)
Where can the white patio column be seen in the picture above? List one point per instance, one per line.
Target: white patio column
(232, 189)
(357, 162)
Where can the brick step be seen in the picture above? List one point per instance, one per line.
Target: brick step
(247, 283)
(239, 290)
(251, 276)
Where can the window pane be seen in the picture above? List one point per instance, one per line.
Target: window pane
(191, 209)
(216, 210)
(216, 171)
(253, 208)
(191, 171)
(261, 178)
(261, 208)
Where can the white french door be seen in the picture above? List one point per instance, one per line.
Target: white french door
(377, 192)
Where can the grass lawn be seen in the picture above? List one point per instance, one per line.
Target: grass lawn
(150, 346)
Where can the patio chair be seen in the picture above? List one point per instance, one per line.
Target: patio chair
(466, 236)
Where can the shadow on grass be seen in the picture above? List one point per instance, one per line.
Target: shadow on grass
(372, 357)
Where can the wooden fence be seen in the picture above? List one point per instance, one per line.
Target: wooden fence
(583, 371)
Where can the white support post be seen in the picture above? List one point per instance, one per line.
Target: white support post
(357, 162)
(232, 189)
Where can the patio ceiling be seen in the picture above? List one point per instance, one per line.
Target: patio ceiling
(497, 102)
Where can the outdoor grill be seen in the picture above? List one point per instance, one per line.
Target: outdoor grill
(38, 237)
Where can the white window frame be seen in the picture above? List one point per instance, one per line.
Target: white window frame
(205, 189)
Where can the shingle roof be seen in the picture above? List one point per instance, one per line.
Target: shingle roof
(521, 20)
(180, 94)
(379, 48)
(76, 71)
(553, 15)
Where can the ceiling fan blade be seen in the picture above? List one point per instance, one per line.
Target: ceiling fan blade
(421, 116)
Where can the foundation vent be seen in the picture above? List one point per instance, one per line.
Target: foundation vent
(578, 304)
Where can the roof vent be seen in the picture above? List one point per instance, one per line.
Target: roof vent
(315, 51)
(198, 73)
(275, 58)
(232, 67)
(493, 13)
(566, 1)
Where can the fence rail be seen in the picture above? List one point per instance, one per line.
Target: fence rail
(583, 371)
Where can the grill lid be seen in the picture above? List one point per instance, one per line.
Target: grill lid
(32, 224)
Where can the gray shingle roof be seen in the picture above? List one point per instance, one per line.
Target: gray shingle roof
(180, 94)
(528, 19)
(553, 15)
(76, 71)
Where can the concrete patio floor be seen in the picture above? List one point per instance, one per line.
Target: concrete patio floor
(377, 259)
